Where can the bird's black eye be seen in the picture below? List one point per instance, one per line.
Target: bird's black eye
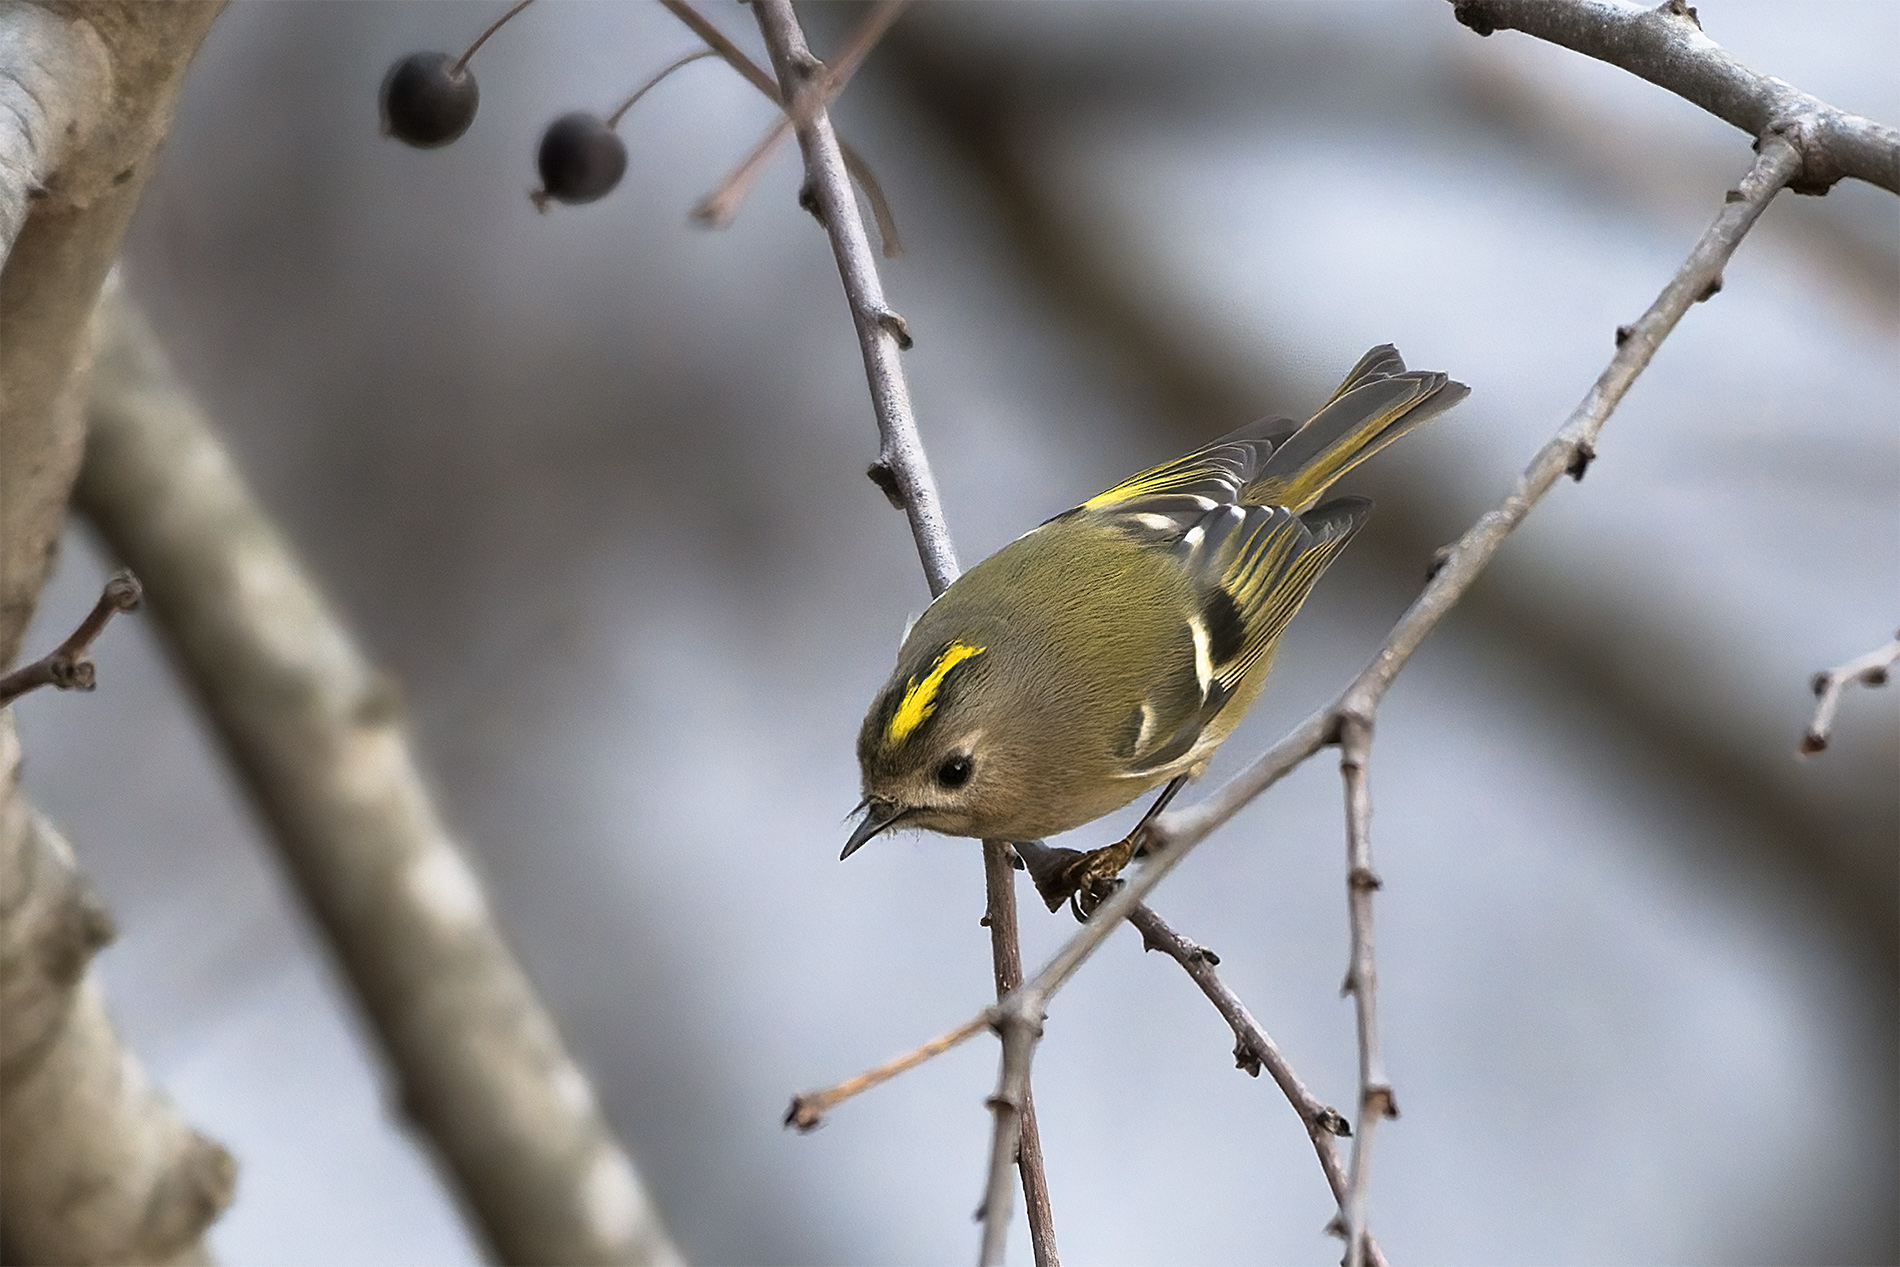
(955, 772)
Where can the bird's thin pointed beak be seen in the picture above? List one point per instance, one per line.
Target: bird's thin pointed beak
(878, 816)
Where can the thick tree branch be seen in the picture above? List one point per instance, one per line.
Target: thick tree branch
(96, 1166)
(86, 94)
(1666, 46)
(317, 734)
(55, 82)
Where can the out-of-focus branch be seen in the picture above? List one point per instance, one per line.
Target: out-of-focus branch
(1254, 1050)
(67, 667)
(54, 84)
(1871, 669)
(86, 94)
(1666, 46)
(903, 473)
(317, 734)
(96, 1166)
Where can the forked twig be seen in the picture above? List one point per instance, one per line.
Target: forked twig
(755, 75)
(67, 667)
(1665, 45)
(1871, 669)
(720, 206)
(1255, 1050)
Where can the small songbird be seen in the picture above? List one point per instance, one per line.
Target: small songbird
(1112, 649)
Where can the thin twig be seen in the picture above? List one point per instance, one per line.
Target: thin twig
(755, 75)
(1362, 977)
(66, 666)
(461, 63)
(999, 876)
(882, 334)
(720, 43)
(1666, 46)
(1871, 669)
(653, 81)
(1255, 1050)
(718, 208)
(903, 472)
(809, 1107)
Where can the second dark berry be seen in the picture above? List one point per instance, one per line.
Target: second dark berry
(426, 103)
(581, 159)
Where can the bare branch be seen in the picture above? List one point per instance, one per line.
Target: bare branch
(882, 334)
(903, 473)
(317, 734)
(1871, 669)
(1006, 954)
(1467, 558)
(735, 56)
(66, 667)
(1362, 977)
(1666, 46)
(1255, 1050)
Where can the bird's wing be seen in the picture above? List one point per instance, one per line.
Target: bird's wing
(1250, 567)
(1215, 473)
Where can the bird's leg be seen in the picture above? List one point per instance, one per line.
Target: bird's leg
(1085, 880)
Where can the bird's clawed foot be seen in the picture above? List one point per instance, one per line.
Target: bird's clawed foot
(1083, 880)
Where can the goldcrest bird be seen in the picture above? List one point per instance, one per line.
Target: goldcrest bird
(1112, 649)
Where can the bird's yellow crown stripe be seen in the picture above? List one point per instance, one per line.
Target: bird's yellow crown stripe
(920, 694)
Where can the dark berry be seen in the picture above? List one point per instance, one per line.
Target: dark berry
(426, 102)
(581, 159)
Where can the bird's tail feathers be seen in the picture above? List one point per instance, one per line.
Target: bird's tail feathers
(1379, 401)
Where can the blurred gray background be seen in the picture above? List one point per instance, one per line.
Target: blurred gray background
(591, 484)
